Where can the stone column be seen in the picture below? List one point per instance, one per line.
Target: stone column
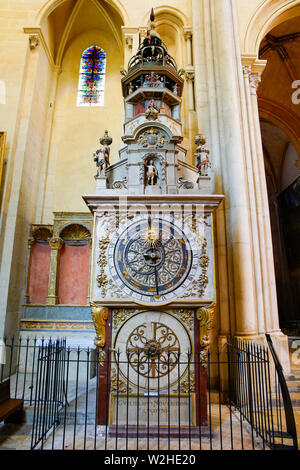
(191, 118)
(131, 42)
(190, 77)
(268, 320)
(189, 48)
(208, 124)
(13, 259)
(31, 242)
(272, 321)
(254, 199)
(90, 242)
(45, 194)
(224, 67)
(55, 245)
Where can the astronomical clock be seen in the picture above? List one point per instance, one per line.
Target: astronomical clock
(152, 282)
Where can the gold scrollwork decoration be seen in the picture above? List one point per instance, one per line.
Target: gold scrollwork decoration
(119, 316)
(100, 316)
(187, 385)
(56, 243)
(102, 262)
(118, 384)
(101, 357)
(205, 316)
(186, 316)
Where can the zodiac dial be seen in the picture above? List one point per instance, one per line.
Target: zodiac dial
(152, 259)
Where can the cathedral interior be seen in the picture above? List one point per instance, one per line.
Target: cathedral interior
(150, 175)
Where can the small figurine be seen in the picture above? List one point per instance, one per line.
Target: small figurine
(153, 80)
(175, 89)
(202, 159)
(152, 111)
(130, 88)
(101, 156)
(151, 173)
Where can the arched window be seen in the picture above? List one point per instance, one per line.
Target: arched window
(92, 77)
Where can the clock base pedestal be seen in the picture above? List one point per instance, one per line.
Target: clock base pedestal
(152, 375)
(174, 432)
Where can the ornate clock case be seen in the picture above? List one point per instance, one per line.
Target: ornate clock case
(153, 258)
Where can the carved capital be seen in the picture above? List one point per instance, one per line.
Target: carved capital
(246, 70)
(129, 40)
(100, 316)
(142, 33)
(254, 81)
(188, 35)
(56, 243)
(90, 242)
(33, 41)
(31, 241)
(190, 75)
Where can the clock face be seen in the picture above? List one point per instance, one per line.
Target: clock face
(152, 261)
(152, 349)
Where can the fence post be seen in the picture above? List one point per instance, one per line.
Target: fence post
(288, 408)
(250, 392)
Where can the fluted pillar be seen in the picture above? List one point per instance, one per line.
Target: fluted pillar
(55, 245)
(272, 312)
(208, 124)
(226, 105)
(268, 319)
(31, 242)
(220, 44)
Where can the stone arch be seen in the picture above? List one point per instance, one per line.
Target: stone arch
(266, 17)
(167, 11)
(50, 5)
(281, 117)
(75, 231)
(172, 22)
(111, 15)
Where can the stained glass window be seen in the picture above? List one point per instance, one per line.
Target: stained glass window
(92, 77)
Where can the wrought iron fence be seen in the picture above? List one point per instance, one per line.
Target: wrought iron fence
(233, 398)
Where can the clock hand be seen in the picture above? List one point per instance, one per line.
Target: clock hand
(156, 281)
(155, 274)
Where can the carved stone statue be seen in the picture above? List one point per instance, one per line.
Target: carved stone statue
(101, 156)
(202, 156)
(151, 173)
(152, 111)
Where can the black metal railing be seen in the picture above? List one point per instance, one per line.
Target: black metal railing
(21, 362)
(257, 388)
(50, 389)
(229, 398)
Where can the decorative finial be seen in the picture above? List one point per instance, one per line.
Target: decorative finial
(152, 15)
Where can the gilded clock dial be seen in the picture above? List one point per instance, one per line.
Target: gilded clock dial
(153, 260)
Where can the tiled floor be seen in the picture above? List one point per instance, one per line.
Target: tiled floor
(18, 437)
